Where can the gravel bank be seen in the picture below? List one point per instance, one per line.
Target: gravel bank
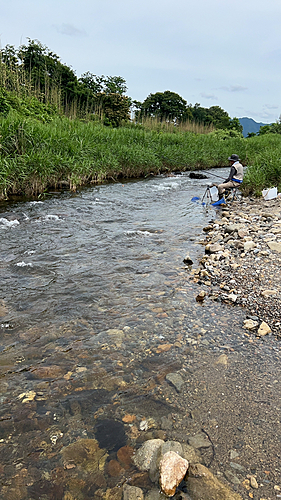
(241, 265)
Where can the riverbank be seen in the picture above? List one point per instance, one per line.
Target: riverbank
(241, 265)
(59, 153)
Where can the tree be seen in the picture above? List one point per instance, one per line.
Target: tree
(104, 84)
(218, 117)
(199, 114)
(165, 105)
(272, 128)
(234, 124)
(114, 108)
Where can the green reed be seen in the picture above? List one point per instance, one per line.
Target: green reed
(36, 154)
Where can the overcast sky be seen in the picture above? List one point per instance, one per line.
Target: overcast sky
(214, 52)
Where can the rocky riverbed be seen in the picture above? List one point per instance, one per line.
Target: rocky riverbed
(162, 356)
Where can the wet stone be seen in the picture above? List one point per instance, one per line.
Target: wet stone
(125, 456)
(113, 468)
(148, 454)
(176, 380)
(202, 484)
(85, 453)
(199, 441)
(132, 493)
(110, 434)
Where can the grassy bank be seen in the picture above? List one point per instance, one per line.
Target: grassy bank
(39, 154)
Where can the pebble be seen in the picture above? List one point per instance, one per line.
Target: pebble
(253, 482)
(176, 380)
(264, 329)
(199, 441)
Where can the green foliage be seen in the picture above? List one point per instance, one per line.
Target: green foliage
(264, 160)
(273, 128)
(222, 134)
(33, 70)
(104, 84)
(164, 105)
(4, 103)
(115, 108)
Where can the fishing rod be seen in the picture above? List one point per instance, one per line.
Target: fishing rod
(218, 176)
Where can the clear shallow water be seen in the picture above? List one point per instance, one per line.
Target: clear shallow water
(96, 310)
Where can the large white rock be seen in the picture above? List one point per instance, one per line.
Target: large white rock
(173, 468)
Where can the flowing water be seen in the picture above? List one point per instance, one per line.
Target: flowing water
(96, 309)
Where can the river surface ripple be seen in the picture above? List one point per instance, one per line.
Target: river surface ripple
(96, 308)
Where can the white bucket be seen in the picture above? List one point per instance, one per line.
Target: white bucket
(214, 192)
(269, 194)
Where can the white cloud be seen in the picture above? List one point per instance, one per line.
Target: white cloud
(271, 106)
(209, 96)
(70, 30)
(234, 88)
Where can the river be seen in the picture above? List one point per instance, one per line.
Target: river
(96, 308)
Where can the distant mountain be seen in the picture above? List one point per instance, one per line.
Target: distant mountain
(249, 125)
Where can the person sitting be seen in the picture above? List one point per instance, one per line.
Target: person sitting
(235, 177)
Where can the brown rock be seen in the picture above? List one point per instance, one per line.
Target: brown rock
(140, 479)
(125, 456)
(201, 296)
(172, 471)
(128, 419)
(113, 468)
(163, 348)
(201, 483)
(85, 453)
(52, 371)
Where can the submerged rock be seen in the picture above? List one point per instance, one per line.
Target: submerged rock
(176, 380)
(132, 493)
(202, 484)
(148, 453)
(85, 453)
(199, 441)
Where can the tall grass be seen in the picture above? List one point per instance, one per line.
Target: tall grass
(35, 156)
(264, 160)
(158, 125)
(40, 149)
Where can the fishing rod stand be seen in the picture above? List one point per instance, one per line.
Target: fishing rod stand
(208, 195)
